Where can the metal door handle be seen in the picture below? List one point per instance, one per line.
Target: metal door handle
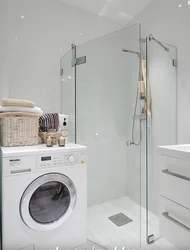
(167, 216)
(166, 171)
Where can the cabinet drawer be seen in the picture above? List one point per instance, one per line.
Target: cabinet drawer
(175, 181)
(175, 223)
(177, 165)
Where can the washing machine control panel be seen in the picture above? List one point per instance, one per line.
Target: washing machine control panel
(61, 160)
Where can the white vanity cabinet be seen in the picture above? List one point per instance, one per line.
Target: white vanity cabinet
(175, 195)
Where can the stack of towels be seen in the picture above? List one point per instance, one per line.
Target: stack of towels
(9, 105)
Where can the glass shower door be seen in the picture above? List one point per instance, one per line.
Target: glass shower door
(161, 125)
(106, 92)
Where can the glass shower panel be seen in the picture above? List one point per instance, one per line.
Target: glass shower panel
(162, 125)
(68, 92)
(106, 91)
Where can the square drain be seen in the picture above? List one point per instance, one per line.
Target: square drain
(120, 219)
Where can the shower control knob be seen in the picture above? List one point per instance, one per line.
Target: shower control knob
(71, 158)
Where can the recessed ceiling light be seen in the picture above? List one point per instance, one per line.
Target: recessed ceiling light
(180, 5)
(22, 17)
(69, 77)
(189, 2)
(16, 38)
(80, 33)
(61, 49)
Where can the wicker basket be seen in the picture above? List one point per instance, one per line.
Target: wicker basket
(18, 129)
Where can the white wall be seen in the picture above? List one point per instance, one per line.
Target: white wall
(4, 88)
(33, 71)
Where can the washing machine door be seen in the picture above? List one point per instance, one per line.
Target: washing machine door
(48, 202)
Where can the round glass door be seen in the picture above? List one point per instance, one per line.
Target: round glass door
(48, 202)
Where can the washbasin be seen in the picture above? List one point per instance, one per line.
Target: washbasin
(176, 151)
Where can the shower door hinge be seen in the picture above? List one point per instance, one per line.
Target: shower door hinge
(61, 72)
(142, 40)
(78, 61)
(150, 239)
(174, 63)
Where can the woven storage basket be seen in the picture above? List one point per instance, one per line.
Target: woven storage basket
(18, 129)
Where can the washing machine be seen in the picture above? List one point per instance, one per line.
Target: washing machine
(44, 197)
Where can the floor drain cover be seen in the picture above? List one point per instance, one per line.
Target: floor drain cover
(120, 219)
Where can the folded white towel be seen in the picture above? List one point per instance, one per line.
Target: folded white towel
(34, 110)
(17, 102)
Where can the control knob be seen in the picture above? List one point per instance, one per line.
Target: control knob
(71, 158)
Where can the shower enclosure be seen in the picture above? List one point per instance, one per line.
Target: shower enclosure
(101, 91)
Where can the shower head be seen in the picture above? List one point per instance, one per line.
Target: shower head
(131, 51)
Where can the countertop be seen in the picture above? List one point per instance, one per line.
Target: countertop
(176, 151)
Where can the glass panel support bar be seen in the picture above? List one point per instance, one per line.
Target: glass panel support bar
(158, 42)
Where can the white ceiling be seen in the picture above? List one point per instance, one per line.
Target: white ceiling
(122, 11)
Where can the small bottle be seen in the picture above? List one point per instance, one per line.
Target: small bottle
(64, 131)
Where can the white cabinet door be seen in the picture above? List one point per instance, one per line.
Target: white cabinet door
(175, 181)
(175, 223)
